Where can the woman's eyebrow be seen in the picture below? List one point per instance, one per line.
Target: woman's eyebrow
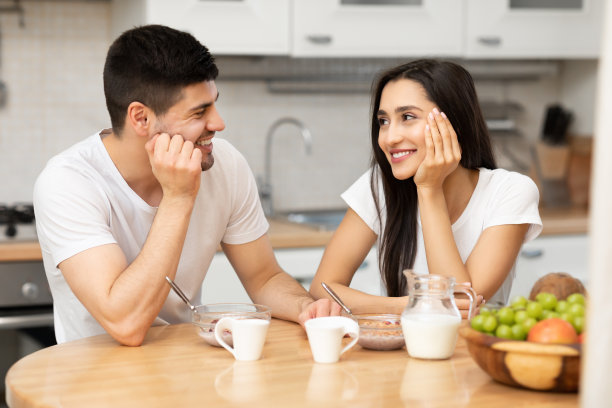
(407, 107)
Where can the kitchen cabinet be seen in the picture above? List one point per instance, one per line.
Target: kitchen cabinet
(487, 29)
(245, 27)
(222, 284)
(377, 28)
(553, 253)
(533, 28)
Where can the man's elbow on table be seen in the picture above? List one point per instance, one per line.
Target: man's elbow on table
(127, 332)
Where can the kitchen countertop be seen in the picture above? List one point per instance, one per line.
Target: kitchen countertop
(174, 367)
(285, 234)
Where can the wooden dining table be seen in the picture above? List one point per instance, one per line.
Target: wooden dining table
(174, 367)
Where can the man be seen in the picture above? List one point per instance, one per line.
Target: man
(123, 209)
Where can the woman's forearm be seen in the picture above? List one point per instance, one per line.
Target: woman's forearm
(441, 250)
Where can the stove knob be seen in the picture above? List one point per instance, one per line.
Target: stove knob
(30, 290)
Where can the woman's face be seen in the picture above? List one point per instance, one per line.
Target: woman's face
(402, 116)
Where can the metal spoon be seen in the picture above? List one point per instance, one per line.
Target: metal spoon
(180, 293)
(336, 298)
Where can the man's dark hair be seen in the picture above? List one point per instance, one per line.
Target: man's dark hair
(151, 64)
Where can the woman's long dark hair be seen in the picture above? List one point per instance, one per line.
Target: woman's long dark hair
(451, 88)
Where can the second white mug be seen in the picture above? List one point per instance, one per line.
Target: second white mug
(249, 336)
(325, 337)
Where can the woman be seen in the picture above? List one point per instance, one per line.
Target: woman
(433, 199)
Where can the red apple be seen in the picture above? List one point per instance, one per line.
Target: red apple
(581, 338)
(553, 330)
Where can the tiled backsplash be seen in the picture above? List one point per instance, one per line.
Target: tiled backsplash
(53, 71)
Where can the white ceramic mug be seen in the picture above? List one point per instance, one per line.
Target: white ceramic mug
(249, 336)
(325, 337)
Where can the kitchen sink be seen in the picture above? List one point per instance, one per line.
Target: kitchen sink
(321, 219)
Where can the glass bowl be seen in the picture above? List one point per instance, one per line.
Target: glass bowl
(205, 317)
(380, 331)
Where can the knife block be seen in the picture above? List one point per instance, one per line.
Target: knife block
(551, 166)
(562, 172)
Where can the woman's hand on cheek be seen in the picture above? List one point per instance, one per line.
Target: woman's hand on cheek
(442, 152)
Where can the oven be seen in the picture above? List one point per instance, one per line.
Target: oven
(26, 305)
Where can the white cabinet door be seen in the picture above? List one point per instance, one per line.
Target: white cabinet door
(560, 253)
(377, 28)
(222, 284)
(533, 28)
(245, 27)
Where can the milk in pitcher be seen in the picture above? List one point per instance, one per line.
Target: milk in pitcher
(431, 336)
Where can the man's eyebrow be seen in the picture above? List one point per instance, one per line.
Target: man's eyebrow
(204, 105)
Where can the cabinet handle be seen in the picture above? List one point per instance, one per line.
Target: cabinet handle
(363, 265)
(532, 253)
(490, 41)
(319, 39)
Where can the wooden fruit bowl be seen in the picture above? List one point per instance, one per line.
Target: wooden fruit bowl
(537, 366)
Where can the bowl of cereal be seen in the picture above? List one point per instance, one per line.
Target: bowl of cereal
(205, 317)
(379, 331)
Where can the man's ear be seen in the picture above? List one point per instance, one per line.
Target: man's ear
(139, 117)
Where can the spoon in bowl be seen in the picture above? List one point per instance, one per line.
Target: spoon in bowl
(180, 293)
(336, 298)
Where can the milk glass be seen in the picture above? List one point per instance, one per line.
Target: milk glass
(431, 319)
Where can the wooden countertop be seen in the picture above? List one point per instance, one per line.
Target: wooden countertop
(284, 234)
(174, 367)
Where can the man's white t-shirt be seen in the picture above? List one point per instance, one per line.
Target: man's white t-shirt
(501, 197)
(81, 201)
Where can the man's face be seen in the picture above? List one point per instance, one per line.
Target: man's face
(195, 118)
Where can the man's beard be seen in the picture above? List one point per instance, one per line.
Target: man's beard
(208, 162)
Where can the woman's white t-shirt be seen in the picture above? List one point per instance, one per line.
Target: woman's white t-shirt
(81, 201)
(501, 197)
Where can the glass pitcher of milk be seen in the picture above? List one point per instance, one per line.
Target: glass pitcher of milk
(431, 319)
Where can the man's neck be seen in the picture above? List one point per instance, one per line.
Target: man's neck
(128, 153)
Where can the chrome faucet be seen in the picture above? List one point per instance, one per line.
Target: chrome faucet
(265, 191)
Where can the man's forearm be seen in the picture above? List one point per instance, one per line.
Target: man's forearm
(284, 295)
(138, 294)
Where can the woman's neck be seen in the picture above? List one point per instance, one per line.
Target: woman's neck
(458, 188)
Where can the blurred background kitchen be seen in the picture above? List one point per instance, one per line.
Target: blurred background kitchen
(534, 63)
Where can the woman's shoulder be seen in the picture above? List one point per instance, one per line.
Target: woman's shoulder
(503, 177)
(502, 182)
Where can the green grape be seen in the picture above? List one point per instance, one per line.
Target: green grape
(578, 323)
(484, 311)
(505, 315)
(576, 298)
(518, 332)
(529, 323)
(477, 322)
(518, 302)
(562, 306)
(489, 324)
(520, 316)
(547, 300)
(550, 314)
(504, 331)
(576, 309)
(534, 309)
(567, 317)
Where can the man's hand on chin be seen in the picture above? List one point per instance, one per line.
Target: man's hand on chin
(319, 308)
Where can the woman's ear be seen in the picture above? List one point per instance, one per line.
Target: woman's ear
(139, 118)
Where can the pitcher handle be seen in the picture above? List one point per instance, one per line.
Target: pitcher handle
(471, 294)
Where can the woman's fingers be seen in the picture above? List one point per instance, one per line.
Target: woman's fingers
(456, 148)
(445, 135)
(435, 134)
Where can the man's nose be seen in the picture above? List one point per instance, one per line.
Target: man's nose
(215, 122)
